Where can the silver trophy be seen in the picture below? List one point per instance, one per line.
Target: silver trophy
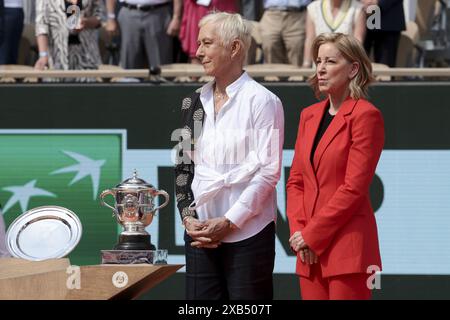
(134, 209)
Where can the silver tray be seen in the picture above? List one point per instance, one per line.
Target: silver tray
(48, 232)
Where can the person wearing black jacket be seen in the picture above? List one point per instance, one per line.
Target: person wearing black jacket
(384, 41)
(2, 17)
(11, 27)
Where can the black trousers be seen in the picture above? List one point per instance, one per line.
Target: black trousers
(11, 27)
(384, 44)
(234, 271)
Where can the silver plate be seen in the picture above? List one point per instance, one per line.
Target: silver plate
(48, 232)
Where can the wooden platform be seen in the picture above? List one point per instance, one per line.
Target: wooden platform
(57, 280)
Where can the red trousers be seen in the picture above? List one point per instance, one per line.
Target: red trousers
(343, 287)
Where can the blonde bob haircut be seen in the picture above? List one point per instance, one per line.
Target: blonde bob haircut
(230, 27)
(352, 51)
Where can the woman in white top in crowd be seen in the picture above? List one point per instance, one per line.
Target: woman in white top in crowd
(233, 130)
(332, 16)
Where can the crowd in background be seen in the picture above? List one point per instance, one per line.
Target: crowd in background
(138, 34)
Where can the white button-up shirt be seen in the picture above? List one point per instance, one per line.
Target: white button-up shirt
(238, 157)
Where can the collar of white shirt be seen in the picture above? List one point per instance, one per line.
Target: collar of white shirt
(231, 90)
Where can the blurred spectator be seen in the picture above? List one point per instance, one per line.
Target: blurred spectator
(251, 9)
(410, 8)
(333, 16)
(61, 46)
(109, 41)
(384, 41)
(11, 27)
(2, 19)
(147, 28)
(111, 25)
(29, 10)
(282, 30)
(193, 11)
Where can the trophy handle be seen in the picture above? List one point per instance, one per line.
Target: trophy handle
(166, 195)
(103, 202)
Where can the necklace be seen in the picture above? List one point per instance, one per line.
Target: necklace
(218, 102)
(219, 96)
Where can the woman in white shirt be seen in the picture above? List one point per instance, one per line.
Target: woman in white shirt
(228, 167)
(332, 16)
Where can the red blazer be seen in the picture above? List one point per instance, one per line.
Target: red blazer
(328, 201)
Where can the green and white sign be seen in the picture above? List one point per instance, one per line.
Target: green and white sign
(70, 168)
(64, 168)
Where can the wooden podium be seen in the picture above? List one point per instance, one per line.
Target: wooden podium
(58, 280)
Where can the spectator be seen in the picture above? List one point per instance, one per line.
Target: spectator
(283, 31)
(193, 11)
(384, 41)
(11, 27)
(2, 19)
(61, 47)
(29, 11)
(111, 25)
(332, 16)
(147, 28)
(251, 9)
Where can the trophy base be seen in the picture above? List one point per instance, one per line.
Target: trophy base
(134, 256)
(134, 242)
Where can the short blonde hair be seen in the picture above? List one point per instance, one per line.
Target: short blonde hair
(230, 27)
(352, 51)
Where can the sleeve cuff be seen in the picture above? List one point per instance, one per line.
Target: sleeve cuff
(41, 30)
(309, 240)
(238, 214)
(185, 212)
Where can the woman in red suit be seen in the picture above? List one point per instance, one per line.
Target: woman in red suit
(339, 142)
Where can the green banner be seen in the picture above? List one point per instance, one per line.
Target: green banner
(68, 170)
